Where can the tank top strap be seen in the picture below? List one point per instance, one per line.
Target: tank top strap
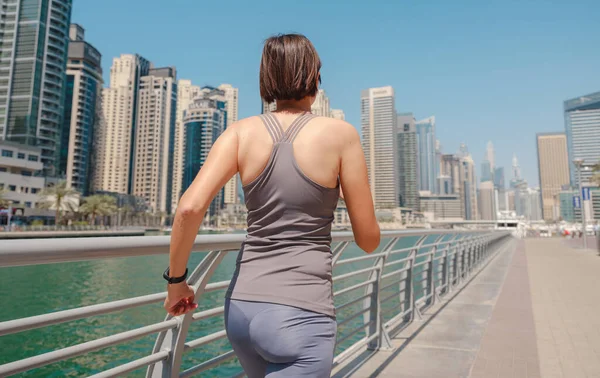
(296, 126)
(273, 127)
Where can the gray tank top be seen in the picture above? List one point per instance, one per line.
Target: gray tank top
(286, 257)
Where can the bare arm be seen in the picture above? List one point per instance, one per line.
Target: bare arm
(357, 193)
(221, 164)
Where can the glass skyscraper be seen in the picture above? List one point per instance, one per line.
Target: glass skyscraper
(582, 126)
(34, 38)
(427, 163)
(407, 161)
(204, 121)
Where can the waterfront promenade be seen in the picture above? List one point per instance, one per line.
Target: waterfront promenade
(534, 311)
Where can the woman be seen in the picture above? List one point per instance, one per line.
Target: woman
(279, 312)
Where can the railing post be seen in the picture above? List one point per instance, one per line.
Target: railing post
(174, 340)
(410, 280)
(432, 272)
(373, 317)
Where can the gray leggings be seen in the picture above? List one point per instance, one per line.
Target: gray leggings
(276, 341)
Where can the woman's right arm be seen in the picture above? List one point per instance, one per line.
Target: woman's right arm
(354, 180)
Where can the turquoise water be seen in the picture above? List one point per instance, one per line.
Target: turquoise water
(35, 290)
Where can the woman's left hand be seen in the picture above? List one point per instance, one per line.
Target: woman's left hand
(180, 299)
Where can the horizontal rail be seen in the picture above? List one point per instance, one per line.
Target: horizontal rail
(77, 350)
(33, 322)
(208, 364)
(133, 365)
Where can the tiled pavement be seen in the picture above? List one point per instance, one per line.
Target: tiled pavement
(565, 290)
(534, 311)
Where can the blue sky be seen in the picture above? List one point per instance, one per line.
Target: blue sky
(488, 70)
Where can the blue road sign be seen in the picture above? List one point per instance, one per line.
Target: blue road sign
(577, 202)
(586, 194)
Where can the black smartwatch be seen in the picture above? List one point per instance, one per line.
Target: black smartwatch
(174, 280)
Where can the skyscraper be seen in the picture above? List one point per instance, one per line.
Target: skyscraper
(204, 121)
(154, 142)
(458, 177)
(490, 156)
(486, 171)
(553, 168)
(321, 105)
(499, 178)
(230, 193)
(34, 39)
(582, 126)
(83, 111)
(116, 136)
(487, 201)
(407, 161)
(338, 114)
(427, 162)
(378, 122)
(267, 107)
(186, 93)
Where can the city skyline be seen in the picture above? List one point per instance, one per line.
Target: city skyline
(482, 80)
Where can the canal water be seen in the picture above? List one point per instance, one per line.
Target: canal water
(34, 290)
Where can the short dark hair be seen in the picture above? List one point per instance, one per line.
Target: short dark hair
(289, 68)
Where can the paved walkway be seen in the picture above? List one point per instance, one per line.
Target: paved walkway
(565, 289)
(534, 311)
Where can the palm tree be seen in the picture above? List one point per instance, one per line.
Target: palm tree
(127, 211)
(59, 198)
(98, 205)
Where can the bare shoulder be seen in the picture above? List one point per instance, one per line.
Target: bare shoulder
(244, 123)
(340, 130)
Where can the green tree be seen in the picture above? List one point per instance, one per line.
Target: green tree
(59, 198)
(98, 205)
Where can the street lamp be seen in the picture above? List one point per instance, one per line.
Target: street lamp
(579, 163)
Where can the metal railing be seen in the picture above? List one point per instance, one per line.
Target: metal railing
(379, 292)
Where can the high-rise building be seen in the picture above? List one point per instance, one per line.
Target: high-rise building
(486, 171)
(230, 192)
(440, 206)
(186, 93)
(490, 156)
(34, 39)
(116, 135)
(427, 165)
(499, 178)
(407, 161)
(528, 203)
(338, 114)
(378, 122)
(204, 121)
(83, 112)
(268, 107)
(487, 201)
(582, 126)
(458, 177)
(154, 142)
(553, 168)
(321, 105)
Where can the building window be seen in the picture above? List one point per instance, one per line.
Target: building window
(35, 190)
(7, 153)
(25, 173)
(12, 188)
(28, 204)
(20, 155)
(3, 169)
(33, 158)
